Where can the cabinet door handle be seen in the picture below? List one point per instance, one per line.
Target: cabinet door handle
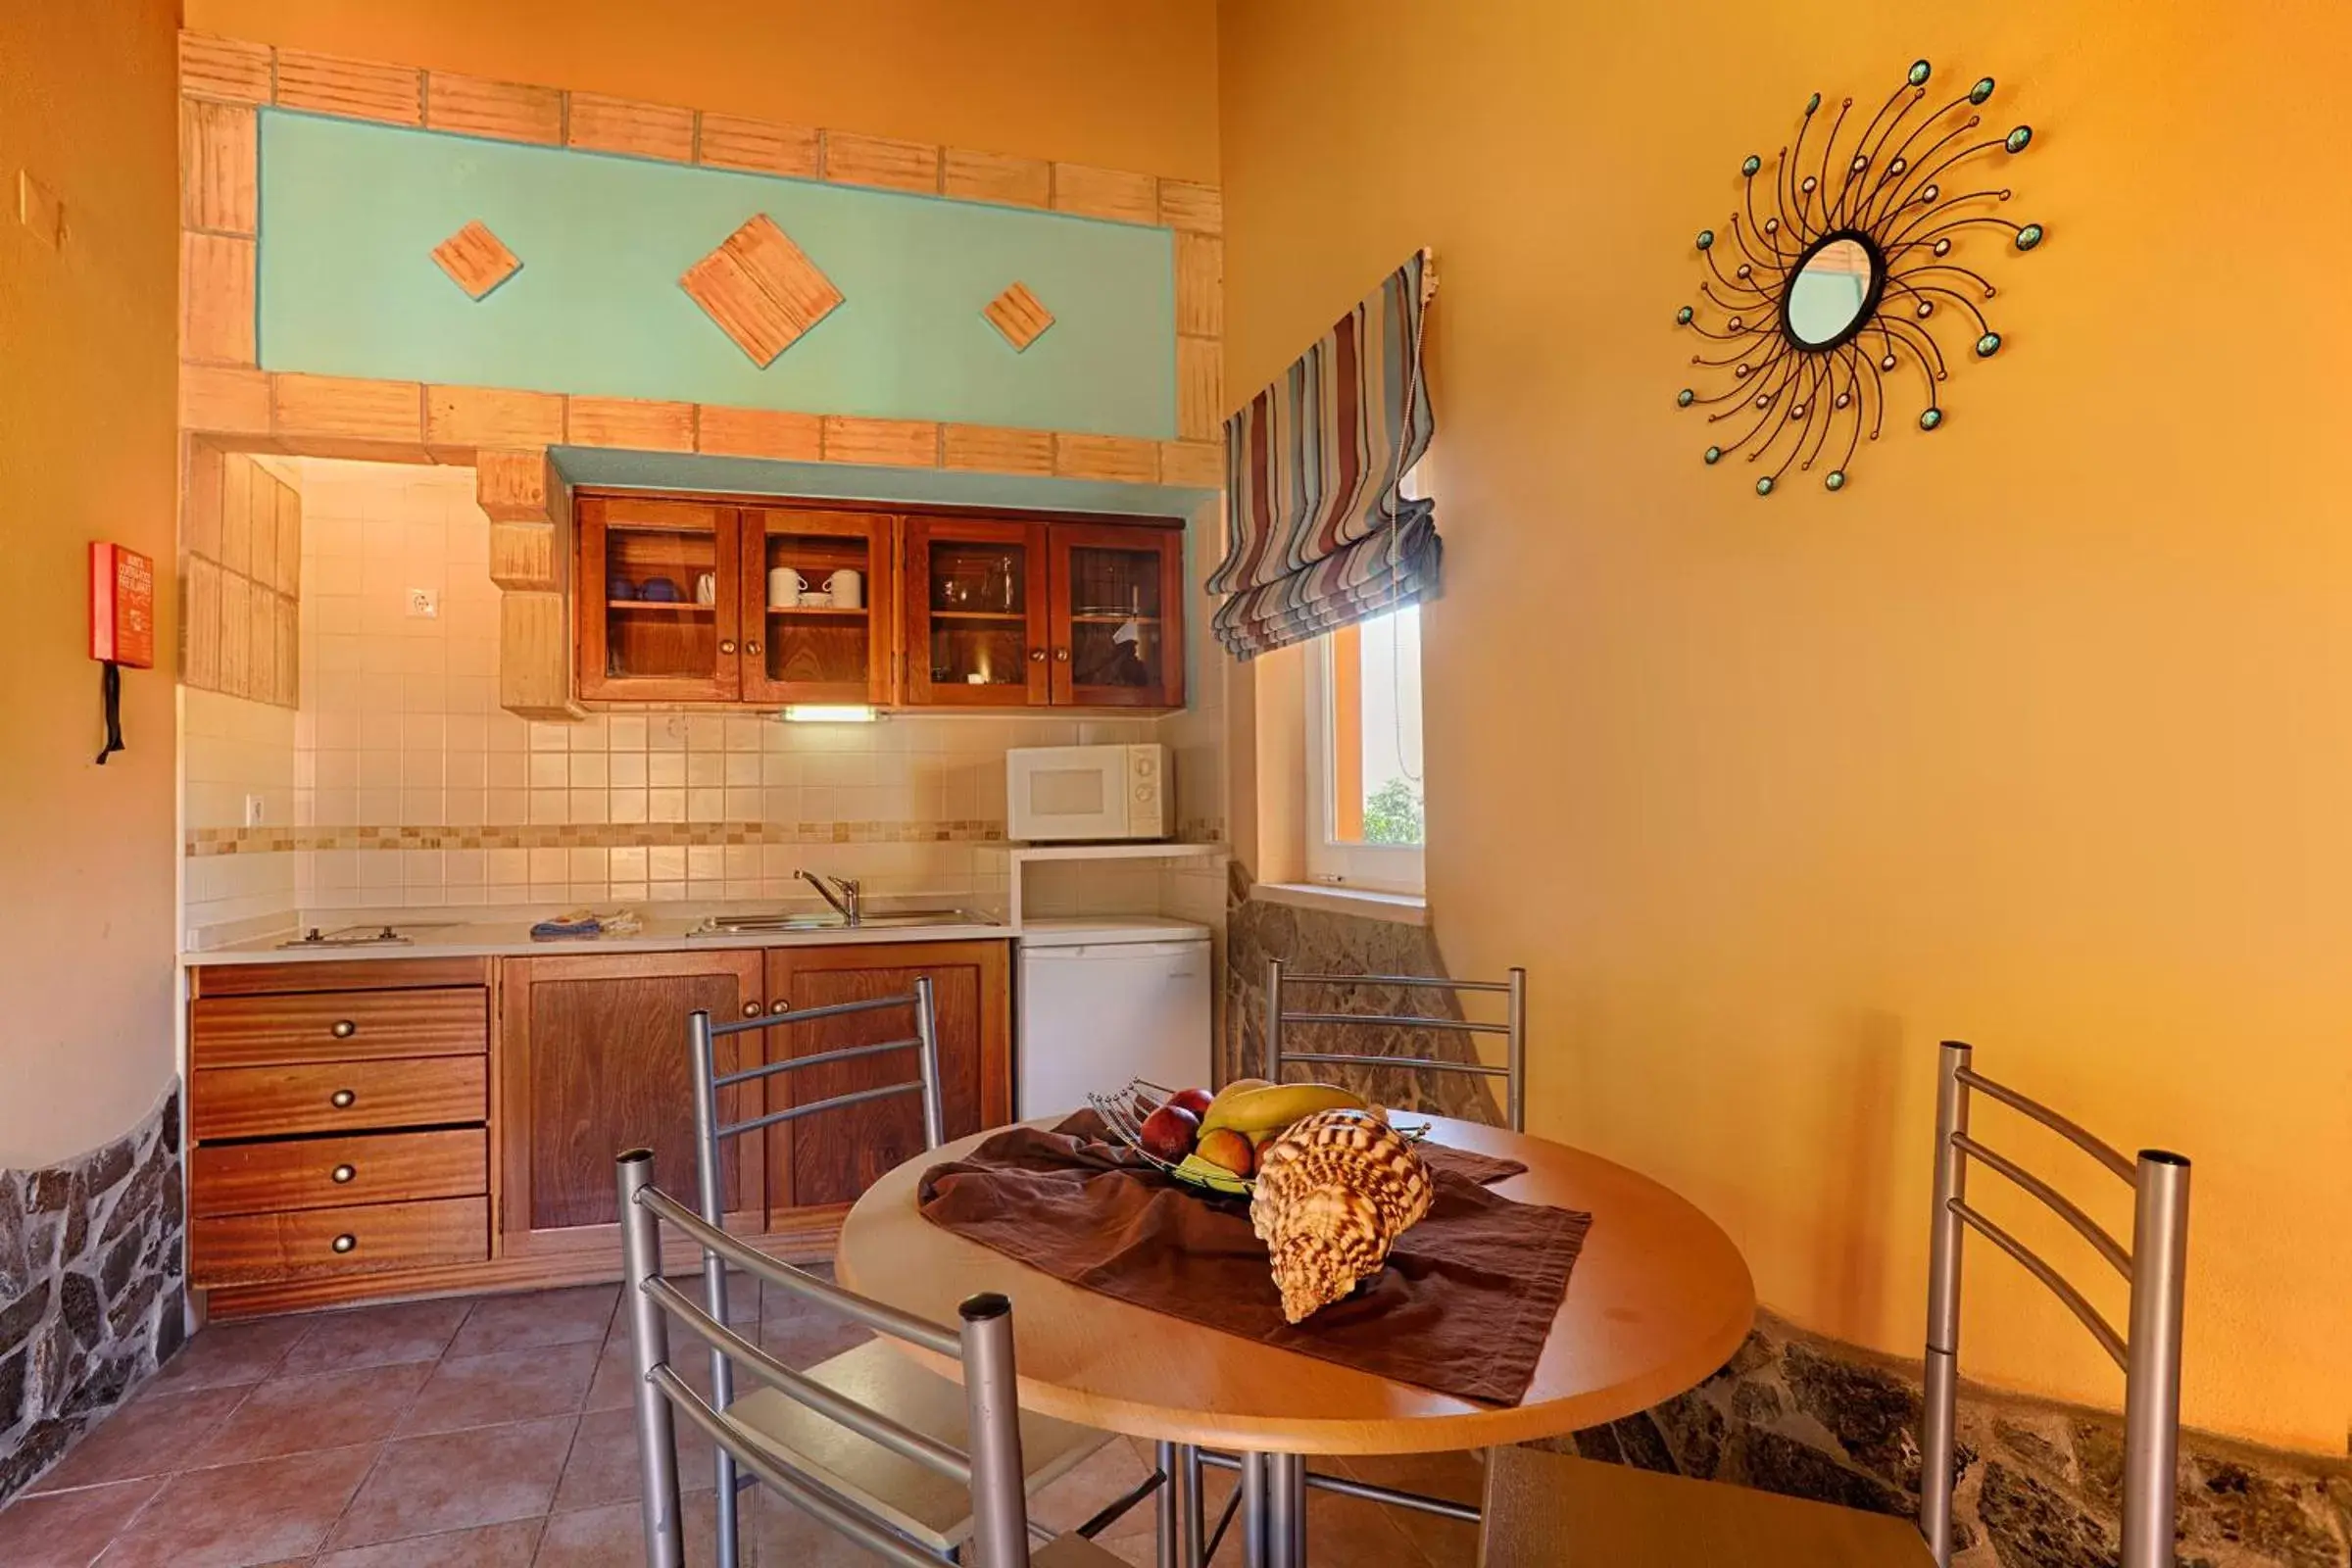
(1037, 655)
(727, 645)
(343, 1028)
(344, 1243)
(751, 1009)
(780, 1006)
(342, 1174)
(752, 649)
(1061, 656)
(342, 1098)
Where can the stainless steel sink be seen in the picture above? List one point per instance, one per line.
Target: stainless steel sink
(785, 921)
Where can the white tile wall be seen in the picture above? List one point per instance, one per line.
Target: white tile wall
(232, 749)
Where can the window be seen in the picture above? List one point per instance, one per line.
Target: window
(1364, 712)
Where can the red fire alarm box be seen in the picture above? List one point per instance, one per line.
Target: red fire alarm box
(121, 607)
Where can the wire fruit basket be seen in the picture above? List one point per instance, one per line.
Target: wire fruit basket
(1123, 1111)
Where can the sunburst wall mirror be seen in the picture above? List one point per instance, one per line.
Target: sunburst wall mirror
(1830, 295)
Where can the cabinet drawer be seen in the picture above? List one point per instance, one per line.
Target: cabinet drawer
(336, 1172)
(252, 1248)
(337, 1096)
(339, 1026)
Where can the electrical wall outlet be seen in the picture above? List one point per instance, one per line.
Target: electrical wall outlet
(256, 810)
(424, 604)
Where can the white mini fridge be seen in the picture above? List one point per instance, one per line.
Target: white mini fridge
(1103, 1001)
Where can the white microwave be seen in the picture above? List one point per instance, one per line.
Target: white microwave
(1088, 793)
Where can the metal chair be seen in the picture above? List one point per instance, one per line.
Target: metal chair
(1513, 1072)
(1546, 1509)
(873, 1374)
(983, 1462)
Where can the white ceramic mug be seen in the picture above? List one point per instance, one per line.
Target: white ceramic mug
(847, 588)
(785, 587)
(706, 589)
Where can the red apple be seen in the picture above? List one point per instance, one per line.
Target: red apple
(1196, 1100)
(1168, 1133)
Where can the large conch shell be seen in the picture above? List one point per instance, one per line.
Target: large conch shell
(1334, 1193)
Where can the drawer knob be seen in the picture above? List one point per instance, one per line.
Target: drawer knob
(344, 1243)
(342, 1098)
(344, 1173)
(343, 1029)
(751, 1009)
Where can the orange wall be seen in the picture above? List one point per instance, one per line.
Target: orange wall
(87, 103)
(2041, 735)
(1122, 83)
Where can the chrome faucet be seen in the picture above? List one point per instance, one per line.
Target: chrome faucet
(841, 892)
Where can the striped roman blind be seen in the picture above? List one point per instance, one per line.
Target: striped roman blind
(1317, 533)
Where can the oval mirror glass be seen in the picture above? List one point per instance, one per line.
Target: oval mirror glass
(1830, 293)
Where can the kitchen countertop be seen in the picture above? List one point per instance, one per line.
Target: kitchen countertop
(486, 934)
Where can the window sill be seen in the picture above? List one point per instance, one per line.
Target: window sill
(1365, 904)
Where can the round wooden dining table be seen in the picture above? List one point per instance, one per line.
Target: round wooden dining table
(1658, 1300)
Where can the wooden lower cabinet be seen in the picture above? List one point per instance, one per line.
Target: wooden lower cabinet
(349, 1145)
(594, 1061)
(830, 1158)
(592, 1053)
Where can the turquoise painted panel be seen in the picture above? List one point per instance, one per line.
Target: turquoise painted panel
(349, 213)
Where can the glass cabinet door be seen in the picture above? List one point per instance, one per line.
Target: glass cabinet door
(818, 597)
(1118, 641)
(977, 613)
(657, 597)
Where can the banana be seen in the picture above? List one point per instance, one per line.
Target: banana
(1271, 1107)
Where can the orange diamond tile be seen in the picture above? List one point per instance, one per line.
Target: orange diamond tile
(761, 289)
(1019, 315)
(476, 259)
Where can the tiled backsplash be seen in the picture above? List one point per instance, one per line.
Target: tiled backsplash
(410, 787)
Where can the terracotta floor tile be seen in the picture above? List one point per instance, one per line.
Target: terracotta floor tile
(154, 1435)
(1455, 1477)
(613, 1536)
(1100, 1479)
(603, 1467)
(542, 1317)
(507, 1545)
(303, 1414)
(223, 1355)
(615, 1388)
(69, 1528)
(456, 1480)
(481, 1391)
(263, 1512)
(376, 1336)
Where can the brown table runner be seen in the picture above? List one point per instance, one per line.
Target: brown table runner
(1463, 1307)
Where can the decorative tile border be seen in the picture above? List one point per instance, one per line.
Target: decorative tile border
(205, 843)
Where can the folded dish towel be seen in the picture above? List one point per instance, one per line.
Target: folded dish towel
(587, 923)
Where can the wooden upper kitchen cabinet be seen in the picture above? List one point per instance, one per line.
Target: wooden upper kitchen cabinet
(832, 1158)
(819, 613)
(978, 627)
(1118, 615)
(593, 1062)
(658, 601)
(763, 603)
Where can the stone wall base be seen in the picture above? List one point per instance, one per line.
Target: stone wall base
(2040, 1485)
(92, 1295)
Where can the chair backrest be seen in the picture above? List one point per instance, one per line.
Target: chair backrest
(702, 1045)
(983, 1341)
(1280, 1055)
(2149, 1353)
